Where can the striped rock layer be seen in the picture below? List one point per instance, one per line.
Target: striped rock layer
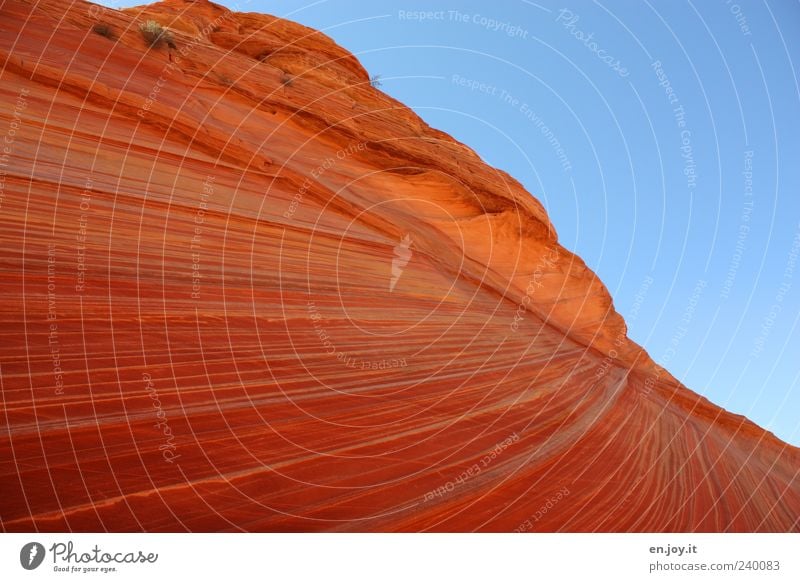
(243, 289)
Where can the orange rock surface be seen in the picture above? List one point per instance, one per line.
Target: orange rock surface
(245, 290)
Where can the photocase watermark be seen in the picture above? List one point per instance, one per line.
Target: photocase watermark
(491, 24)
(526, 110)
(197, 235)
(169, 447)
(175, 59)
(80, 238)
(686, 319)
(741, 19)
(547, 261)
(546, 132)
(475, 85)
(546, 507)
(348, 360)
(96, 10)
(402, 255)
(687, 152)
(744, 226)
(473, 471)
(319, 171)
(605, 365)
(421, 15)
(680, 332)
(639, 298)
(31, 555)
(8, 139)
(52, 321)
(66, 559)
(569, 20)
(783, 290)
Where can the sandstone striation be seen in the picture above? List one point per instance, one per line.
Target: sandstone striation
(243, 289)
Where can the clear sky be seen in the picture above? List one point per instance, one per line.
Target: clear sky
(662, 137)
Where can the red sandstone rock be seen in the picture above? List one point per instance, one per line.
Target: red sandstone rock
(244, 290)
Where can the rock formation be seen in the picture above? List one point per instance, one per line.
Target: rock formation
(246, 290)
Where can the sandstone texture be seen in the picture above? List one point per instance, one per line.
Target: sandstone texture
(244, 290)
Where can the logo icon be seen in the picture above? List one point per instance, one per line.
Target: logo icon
(402, 254)
(31, 555)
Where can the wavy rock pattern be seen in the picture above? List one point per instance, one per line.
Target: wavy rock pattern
(245, 290)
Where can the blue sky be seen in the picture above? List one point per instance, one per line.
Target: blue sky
(663, 140)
